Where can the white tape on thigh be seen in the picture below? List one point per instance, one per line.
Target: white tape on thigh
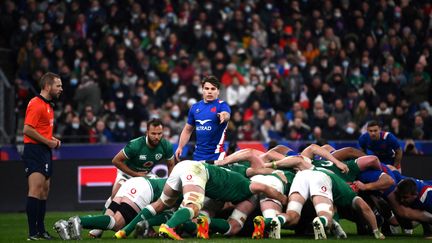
(238, 216)
(323, 207)
(195, 198)
(295, 206)
(108, 202)
(270, 213)
(167, 200)
(353, 203)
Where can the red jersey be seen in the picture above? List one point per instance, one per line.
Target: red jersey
(40, 116)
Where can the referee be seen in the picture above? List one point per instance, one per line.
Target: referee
(38, 142)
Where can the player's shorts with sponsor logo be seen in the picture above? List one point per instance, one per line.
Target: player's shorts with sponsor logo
(188, 172)
(310, 183)
(37, 158)
(272, 181)
(138, 190)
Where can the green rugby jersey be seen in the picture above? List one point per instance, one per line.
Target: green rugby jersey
(352, 174)
(157, 186)
(140, 157)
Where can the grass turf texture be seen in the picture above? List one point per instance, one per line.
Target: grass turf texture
(13, 228)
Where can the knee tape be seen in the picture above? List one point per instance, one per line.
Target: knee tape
(167, 200)
(295, 206)
(323, 207)
(353, 203)
(195, 198)
(269, 213)
(238, 216)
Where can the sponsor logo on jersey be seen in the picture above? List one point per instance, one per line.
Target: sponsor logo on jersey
(148, 164)
(202, 122)
(203, 128)
(213, 109)
(158, 156)
(189, 177)
(324, 189)
(142, 157)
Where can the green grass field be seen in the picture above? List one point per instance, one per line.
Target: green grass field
(13, 228)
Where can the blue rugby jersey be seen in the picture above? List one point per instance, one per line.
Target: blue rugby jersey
(384, 148)
(210, 134)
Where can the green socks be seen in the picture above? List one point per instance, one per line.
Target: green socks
(144, 214)
(180, 216)
(219, 226)
(98, 221)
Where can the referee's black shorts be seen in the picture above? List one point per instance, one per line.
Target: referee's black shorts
(37, 158)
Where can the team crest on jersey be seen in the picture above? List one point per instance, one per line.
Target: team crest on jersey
(143, 157)
(197, 110)
(213, 109)
(158, 156)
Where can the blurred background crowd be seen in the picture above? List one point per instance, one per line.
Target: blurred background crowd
(312, 70)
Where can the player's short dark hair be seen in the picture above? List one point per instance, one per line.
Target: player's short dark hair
(373, 123)
(405, 187)
(155, 122)
(47, 78)
(211, 79)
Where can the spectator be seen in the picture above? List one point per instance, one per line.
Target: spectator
(396, 128)
(323, 49)
(89, 120)
(121, 133)
(410, 148)
(342, 115)
(229, 75)
(75, 132)
(332, 131)
(102, 133)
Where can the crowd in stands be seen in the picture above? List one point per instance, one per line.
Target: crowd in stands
(297, 70)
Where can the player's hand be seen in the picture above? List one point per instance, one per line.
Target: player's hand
(178, 153)
(223, 116)
(343, 167)
(54, 143)
(360, 185)
(58, 142)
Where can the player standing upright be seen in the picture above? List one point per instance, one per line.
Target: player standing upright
(38, 142)
(210, 118)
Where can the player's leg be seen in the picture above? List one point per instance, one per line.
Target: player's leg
(36, 185)
(324, 209)
(363, 208)
(240, 213)
(120, 179)
(270, 209)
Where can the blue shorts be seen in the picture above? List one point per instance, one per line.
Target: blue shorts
(37, 158)
(219, 156)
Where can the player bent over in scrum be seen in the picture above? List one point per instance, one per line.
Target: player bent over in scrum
(325, 189)
(189, 178)
(133, 196)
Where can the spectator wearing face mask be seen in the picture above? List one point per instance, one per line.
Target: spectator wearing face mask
(121, 132)
(75, 132)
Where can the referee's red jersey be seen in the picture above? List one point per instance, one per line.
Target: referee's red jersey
(40, 116)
